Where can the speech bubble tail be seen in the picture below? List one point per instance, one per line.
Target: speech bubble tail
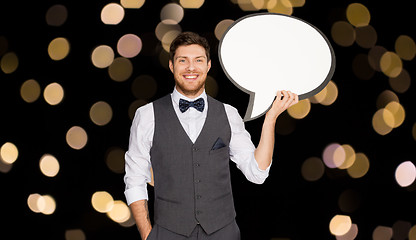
(258, 105)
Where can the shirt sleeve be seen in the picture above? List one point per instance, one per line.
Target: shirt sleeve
(242, 148)
(137, 157)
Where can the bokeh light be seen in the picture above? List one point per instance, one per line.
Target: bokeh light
(350, 235)
(171, 13)
(412, 233)
(405, 174)
(211, 86)
(9, 153)
(385, 98)
(135, 4)
(374, 56)
(101, 113)
(221, 27)
(162, 29)
(405, 47)
(75, 234)
(343, 33)
(36, 202)
(280, 6)
(312, 169)
(401, 229)
(358, 15)
(120, 212)
(129, 45)
(382, 233)
(340, 225)
(120, 69)
(391, 64)
(76, 137)
(50, 205)
(102, 56)
(30, 90)
(58, 48)
(382, 122)
(398, 113)
(49, 165)
(112, 14)
(333, 155)
(56, 15)
(300, 110)
(53, 93)
(401, 83)
(349, 156)
(366, 37)
(144, 87)
(193, 4)
(102, 201)
(331, 94)
(115, 159)
(9, 62)
(360, 167)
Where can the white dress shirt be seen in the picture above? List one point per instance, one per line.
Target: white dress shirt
(137, 158)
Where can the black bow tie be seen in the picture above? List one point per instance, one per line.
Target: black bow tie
(197, 104)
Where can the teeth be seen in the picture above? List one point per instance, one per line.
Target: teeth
(190, 77)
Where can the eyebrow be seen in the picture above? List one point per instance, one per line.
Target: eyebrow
(187, 57)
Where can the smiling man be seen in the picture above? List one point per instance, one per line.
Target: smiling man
(188, 138)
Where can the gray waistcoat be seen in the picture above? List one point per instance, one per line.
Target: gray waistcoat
(191, 181)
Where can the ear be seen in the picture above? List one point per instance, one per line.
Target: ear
(209, 65)
(171, 65)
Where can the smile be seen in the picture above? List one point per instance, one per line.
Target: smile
(190, 76)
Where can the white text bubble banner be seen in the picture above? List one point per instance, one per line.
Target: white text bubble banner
(266, 52)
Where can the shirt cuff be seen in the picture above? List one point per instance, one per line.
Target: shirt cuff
(135, 194)
(260, 174)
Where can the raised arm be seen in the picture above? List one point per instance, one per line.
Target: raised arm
(264, 151)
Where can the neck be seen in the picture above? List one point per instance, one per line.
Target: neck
(190, 94)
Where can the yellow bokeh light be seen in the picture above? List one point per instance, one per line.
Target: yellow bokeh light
(398, 113)
(360, 167)
(358, 15)
(349, 156)
(76, 137)
(405, 174)
(401, 83)
(391, 64)
(129, 45)
(50, 205)
(374, 56)
(312, 169)
(319, 97)
(194, 4)
(222, 27)
(412, 233)
(30, 90)
(405, 47)
(49, 165)
(36, 202)
(112, 14)
(101, 113)
(331, 94)
(53, 93)
(102, 201)
(9, 62)
(280, 6)
(58, 48)
(132, 3)
(381, 121)
(340, 225)
(343, 33)
(163, 28)
(297, 3)
(120, 212)
(9, 153)
(75, 234)
(168, 39)
(300, 110)
(115, 159)
(120, 69)
(171, 13)
(250, 5)
(102, 56)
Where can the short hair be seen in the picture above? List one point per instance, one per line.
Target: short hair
(188, 38)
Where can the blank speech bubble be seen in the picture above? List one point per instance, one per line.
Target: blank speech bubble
(266, 52)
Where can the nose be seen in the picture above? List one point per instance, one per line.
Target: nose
(190, 66)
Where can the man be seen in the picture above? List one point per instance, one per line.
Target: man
(188, 138)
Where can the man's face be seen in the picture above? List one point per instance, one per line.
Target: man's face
(190, 67)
